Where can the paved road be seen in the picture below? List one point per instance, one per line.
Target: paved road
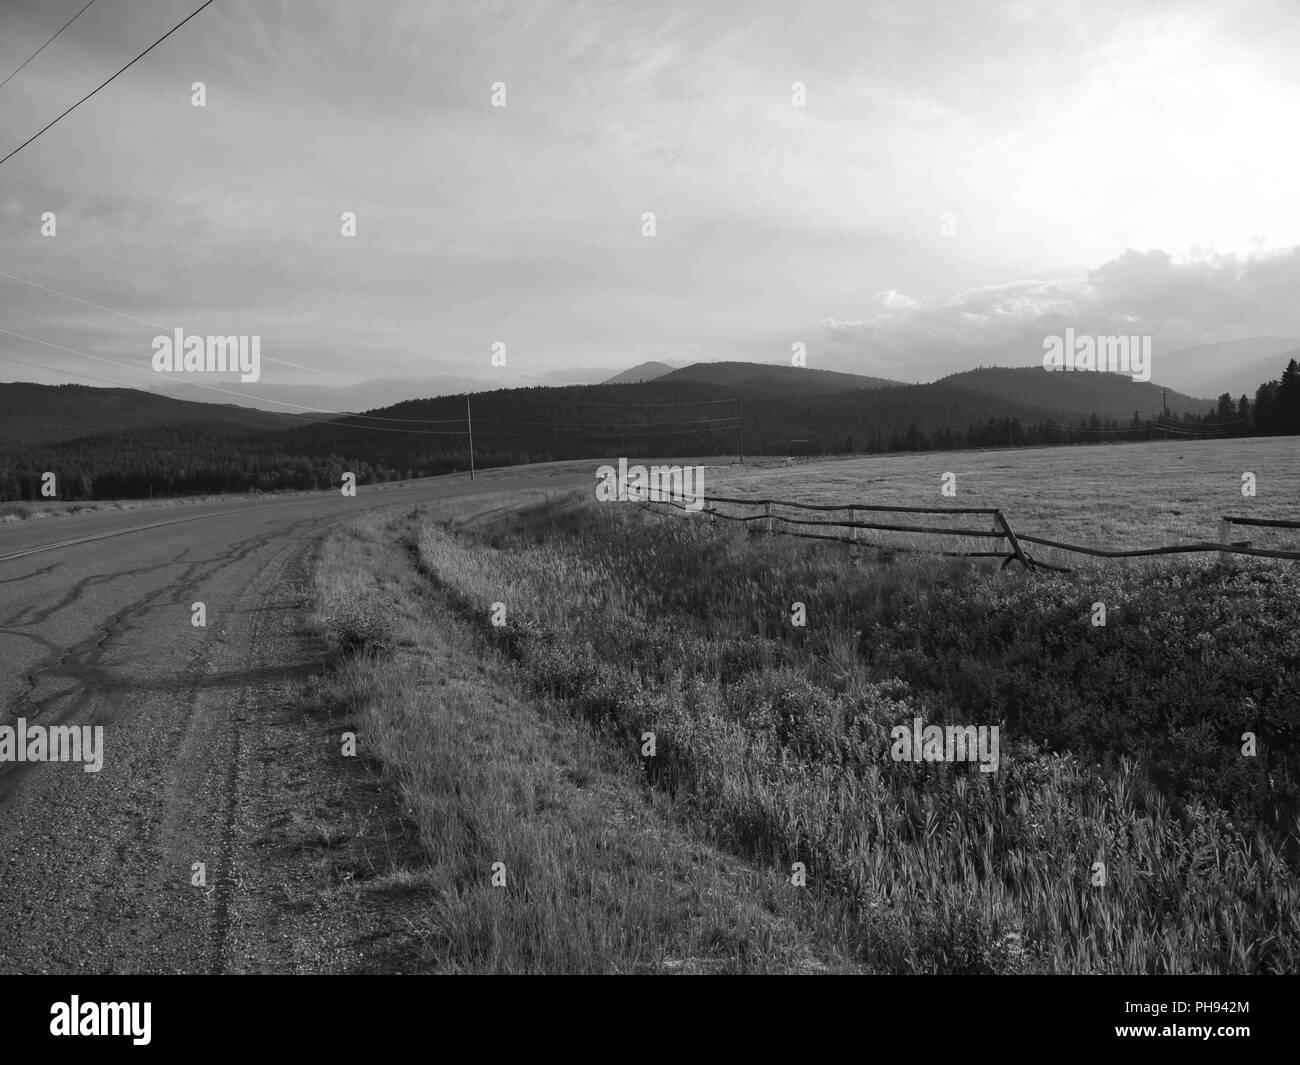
(96, 869)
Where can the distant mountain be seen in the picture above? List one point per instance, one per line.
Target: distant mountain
(754, 379)
(362, 395)
(785, 409)
(646, 371)
(1197, 369)
(1244, 380)
(580, 375)
(376, 392)
(45, 414)
(674, 415)
(1105, 394)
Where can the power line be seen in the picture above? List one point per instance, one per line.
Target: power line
(615, 425)
(73, 373)
(347, 422)
(97, 88)
(46, 44)
(328, 373)
(353, 416)
(68, 295)
(159, 325)
(550, 402)
(689, 403)
(469, 429)
(335, 417)
(627, 435)
(350, 420)
(346, 419)
(560, 402)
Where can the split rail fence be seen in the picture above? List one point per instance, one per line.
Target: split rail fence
(1012, 544)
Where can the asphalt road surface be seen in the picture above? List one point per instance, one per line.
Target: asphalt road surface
(97, 869)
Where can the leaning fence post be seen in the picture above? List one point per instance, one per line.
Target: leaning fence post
(1225, 531)
(1015, 544)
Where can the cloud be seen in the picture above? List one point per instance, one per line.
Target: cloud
(1180, 302)
(1057, 139)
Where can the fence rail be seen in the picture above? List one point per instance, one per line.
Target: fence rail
(1268, 523)
(1002, 531)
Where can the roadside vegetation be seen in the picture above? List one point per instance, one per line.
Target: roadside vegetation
(1125, 831)
(506, 675)
(595, 874)
(33, 511)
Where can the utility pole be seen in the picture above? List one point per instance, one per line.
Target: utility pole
(1164, 403)
(469, 425)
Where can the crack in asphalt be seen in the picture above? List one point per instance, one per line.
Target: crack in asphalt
(208, 746)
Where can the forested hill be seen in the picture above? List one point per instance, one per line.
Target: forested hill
(1106, 394)
(748, 379)
(44, 414)
(669, 416)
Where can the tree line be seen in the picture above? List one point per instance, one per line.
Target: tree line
(428, 437)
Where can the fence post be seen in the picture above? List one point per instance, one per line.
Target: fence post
(1225, 531)
(771, 522)
(1015, 544)
(999, 543)
(853, 534)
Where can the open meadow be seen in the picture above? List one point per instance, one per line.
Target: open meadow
(1116, 496)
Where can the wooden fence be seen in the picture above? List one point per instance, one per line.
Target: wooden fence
(1013, 544)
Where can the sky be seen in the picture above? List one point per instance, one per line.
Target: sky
(962, 179)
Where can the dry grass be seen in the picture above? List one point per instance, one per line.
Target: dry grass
(596, 878)
(673, 628)
(1110, 496)
(771, 744)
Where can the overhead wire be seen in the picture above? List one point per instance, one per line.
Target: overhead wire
(334, 416)
(92, 92)
(350, 421)
(45, 45)
(159, 325)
